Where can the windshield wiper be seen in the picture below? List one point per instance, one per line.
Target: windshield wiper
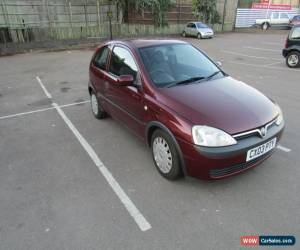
(189, 80)
(212, 75)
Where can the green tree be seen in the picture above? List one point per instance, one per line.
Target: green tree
(206, 10)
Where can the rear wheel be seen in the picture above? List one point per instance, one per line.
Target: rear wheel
(265, 26)
(293, 59)
(165, 155)
(199, 36)
(97, 109)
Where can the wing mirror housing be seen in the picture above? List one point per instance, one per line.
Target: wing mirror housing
(219, 64)
(125, 80)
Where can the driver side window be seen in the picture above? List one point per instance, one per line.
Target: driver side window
(122, 63)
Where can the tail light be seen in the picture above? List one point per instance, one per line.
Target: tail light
(286, 43)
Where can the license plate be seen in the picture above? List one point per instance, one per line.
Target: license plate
(261, 150)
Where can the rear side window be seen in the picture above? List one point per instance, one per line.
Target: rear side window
(284, 15)
(101, 58)
(122, 63)
(295, 33)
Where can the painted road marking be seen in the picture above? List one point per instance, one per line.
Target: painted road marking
(284, 149)
(43, 87)
(273, 50)
(263, 66)
(40, 110)
(140, 220)
(270, 43)
(271, 64)
(250, 56)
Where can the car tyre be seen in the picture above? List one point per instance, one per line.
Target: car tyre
(97, 109)
(293, 59)
(183, 34)
(265, 26)
(165, 155)
(199, 36)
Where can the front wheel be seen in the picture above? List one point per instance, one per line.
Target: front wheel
(293, 59)
(265, 26)
(183, 34)
(165, 155)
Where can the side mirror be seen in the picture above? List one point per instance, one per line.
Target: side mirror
(219, 64)
(125, 80)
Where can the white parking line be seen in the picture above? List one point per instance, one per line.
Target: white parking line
(140, 220)
(273, 50)
(43, 87)
(263, 66)
(270, 43)
(250, 56)
(40, 110)
(284, 149)
(271, 64)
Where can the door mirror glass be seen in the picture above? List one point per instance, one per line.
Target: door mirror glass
(125, 80)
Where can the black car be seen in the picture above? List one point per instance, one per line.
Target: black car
(292, 48)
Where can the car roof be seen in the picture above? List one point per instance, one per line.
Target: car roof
(142, 43)
(195, 22)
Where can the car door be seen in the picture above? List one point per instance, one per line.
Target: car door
(275, 18)
(126, 103)
(284, 19)
(194, 31)
(98, 71)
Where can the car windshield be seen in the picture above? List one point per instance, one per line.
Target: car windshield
(172, 64)
(295, 33)
(201, 25)
(296, 18)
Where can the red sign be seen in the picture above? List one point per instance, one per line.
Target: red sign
(250, 240)
(271, 6)
(264, 1)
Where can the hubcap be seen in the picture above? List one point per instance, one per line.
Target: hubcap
(162, 155)
(265, 26)
(293, 60)
(94, 104)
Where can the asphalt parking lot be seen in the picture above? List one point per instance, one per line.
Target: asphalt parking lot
(69, 181)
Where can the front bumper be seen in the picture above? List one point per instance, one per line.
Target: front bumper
(207, 35)
(221, 162)
(285, 52)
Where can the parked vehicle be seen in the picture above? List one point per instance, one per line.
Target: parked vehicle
(276, 19)
(292, 48)
(197, 120)
(295, 21)
(198, 29)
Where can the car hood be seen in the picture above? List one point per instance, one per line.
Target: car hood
(205, 30)
(225, 103)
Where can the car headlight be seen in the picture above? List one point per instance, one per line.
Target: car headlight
(279, 118)
(211, 137)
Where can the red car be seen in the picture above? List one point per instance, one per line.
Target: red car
(295, 21)
(197, 120)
